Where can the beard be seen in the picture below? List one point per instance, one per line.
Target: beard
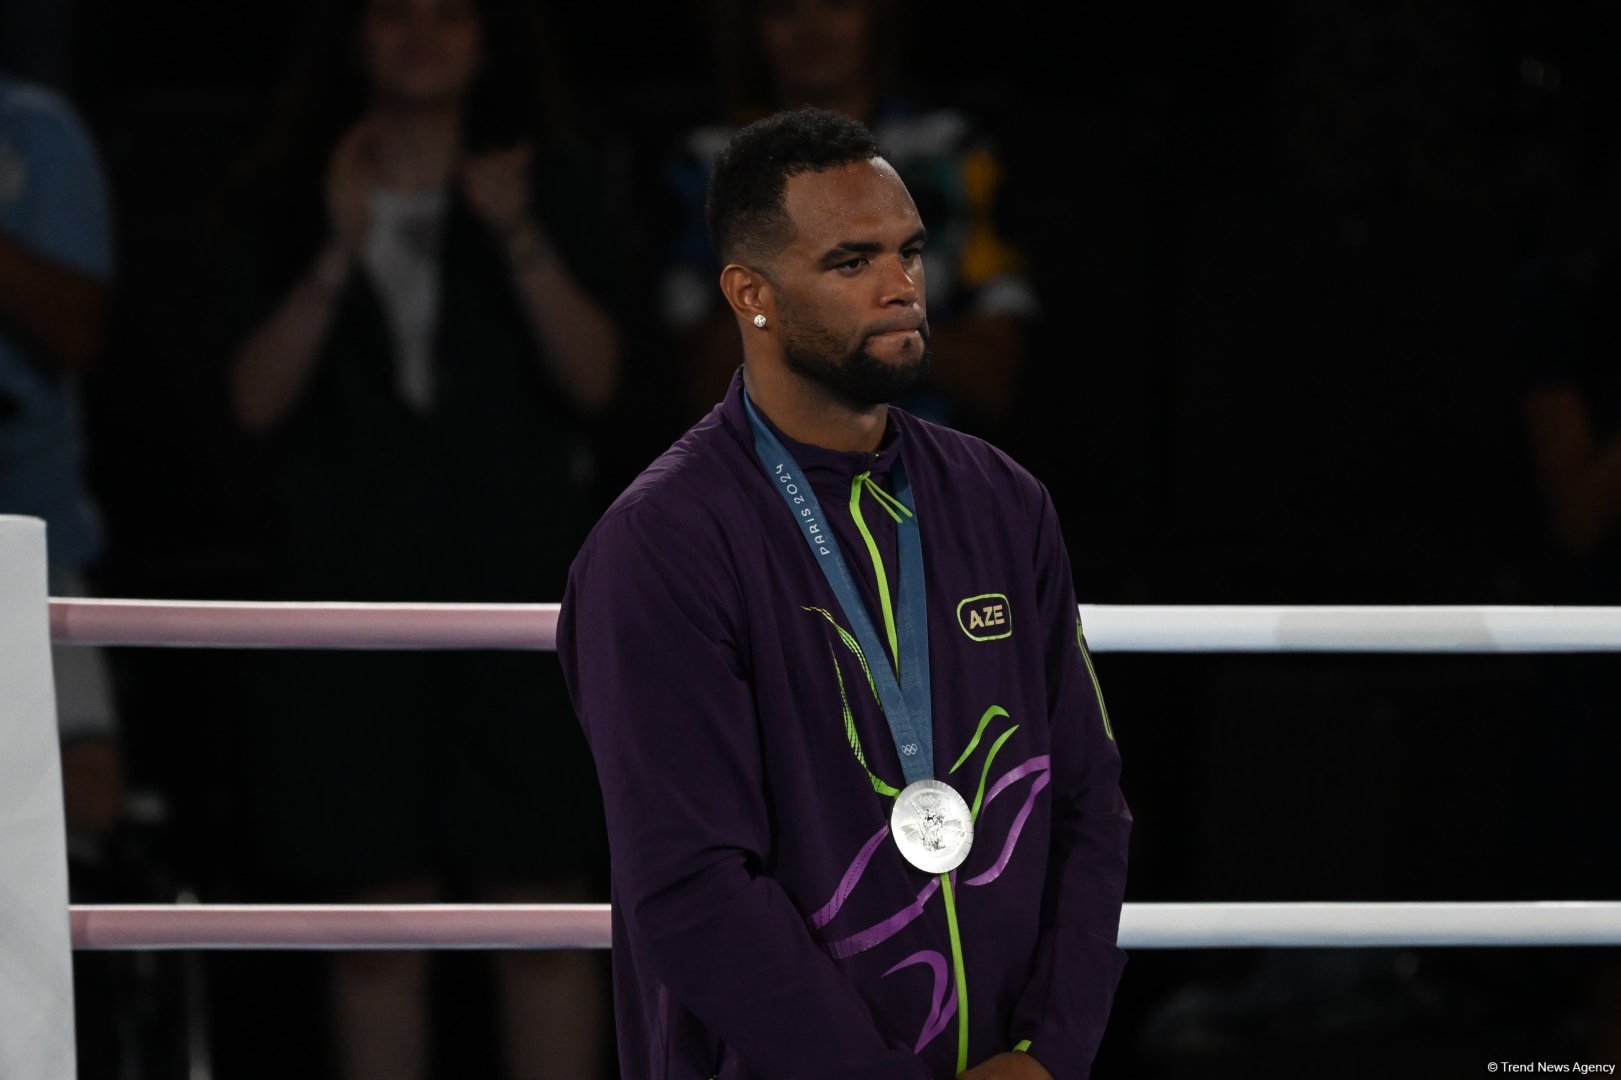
(855, 377)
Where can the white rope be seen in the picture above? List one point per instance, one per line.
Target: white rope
(586, 926)
(1240, 926)
(1109, 627)
(1130, 628)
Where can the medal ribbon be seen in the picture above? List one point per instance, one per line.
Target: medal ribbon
(904, 697)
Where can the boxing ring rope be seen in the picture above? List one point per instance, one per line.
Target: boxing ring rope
(1109, 628)
(586, 926)
(209, 624)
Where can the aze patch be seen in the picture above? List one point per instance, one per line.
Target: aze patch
(986, 617)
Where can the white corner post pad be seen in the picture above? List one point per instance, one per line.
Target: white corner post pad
(36, 960)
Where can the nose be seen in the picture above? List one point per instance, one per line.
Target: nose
(900, 284)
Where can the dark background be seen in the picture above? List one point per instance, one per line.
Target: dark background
(1278, 248)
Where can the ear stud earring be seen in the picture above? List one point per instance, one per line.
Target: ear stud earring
(759, 320)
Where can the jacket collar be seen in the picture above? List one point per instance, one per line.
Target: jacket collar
(817, 460)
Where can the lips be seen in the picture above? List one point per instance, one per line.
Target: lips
(897, 328)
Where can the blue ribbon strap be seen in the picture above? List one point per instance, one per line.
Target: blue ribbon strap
(906, 700)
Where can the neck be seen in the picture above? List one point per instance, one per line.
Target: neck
(416, 146)
(807, 413)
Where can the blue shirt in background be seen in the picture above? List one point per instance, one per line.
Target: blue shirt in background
(53, 203)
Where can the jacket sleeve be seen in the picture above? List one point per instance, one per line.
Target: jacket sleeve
(651, 642)
(1065, 1006)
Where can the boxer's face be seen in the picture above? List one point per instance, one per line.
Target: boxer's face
(849, 288)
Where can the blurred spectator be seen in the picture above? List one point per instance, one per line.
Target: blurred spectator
(416, 278)
(837, 54)
(56, 262)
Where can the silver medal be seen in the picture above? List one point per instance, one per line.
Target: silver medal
(932, 826)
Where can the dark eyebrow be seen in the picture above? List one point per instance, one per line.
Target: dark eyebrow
(851, 247)
(845, 248)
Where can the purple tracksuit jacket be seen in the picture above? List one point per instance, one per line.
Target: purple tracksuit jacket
(765, 925)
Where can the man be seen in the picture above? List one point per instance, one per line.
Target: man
(861, 789)
(835, 54)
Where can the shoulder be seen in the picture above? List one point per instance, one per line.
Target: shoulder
(972, 467)
(22, 102)
(676, 542)
(41, 118)
(684, 498)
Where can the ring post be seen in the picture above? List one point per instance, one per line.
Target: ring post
(36, 973)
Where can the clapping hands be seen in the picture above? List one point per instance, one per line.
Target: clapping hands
(496, 186)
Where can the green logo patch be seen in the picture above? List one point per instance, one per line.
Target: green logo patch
(986, 617)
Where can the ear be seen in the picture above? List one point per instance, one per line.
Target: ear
(748, 291)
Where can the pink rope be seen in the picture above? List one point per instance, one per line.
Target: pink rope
(218, 624)
(356, 926)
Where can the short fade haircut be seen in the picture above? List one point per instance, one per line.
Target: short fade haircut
(748, 216)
